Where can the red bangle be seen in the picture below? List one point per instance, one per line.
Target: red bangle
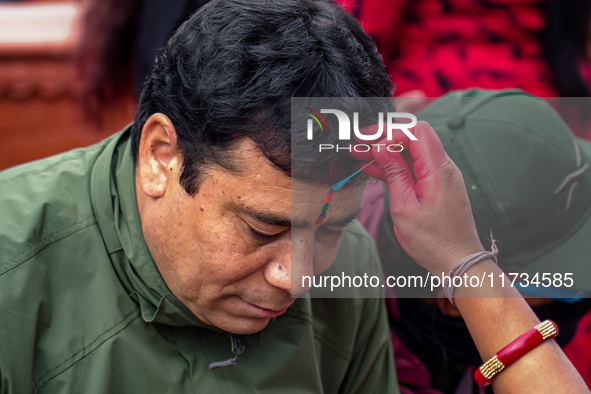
(515, 350)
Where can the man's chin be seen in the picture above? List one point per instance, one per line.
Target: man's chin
(244, 326)
(252, 319)
(240, 317)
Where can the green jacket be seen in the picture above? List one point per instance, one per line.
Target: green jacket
(83, 308)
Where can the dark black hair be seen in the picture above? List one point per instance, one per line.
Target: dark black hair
(229, 72)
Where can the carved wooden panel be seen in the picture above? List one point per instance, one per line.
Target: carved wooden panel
(40, 109)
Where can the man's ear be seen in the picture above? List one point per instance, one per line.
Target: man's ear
(158, 157)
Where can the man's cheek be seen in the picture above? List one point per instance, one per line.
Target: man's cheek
(325, 254)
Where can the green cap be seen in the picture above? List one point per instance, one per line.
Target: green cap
(527, 178)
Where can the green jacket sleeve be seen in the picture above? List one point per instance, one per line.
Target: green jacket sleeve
(372, 368)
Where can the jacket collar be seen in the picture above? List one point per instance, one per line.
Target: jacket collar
(114, 202)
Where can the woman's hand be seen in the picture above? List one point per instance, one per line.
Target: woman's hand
(428, 201)
(434, 224)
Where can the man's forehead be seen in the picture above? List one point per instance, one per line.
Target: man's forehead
(306, 192)
(304, 206)
(307, 200)
(277, 199)
(338, 216)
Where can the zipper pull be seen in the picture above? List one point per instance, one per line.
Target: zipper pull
(237, 348)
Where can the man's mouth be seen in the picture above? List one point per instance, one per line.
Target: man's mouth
(267, 312)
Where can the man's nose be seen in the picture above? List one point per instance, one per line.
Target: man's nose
(290, 270)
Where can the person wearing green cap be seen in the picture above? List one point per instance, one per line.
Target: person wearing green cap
(528, 181)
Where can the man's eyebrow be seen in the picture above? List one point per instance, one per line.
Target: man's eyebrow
(268, 218)
(343, 222)
(332, 222)
(281, 221)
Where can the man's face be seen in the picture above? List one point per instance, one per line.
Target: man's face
(229, 252)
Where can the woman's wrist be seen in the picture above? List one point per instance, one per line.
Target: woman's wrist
(485, 280)
(442, 256)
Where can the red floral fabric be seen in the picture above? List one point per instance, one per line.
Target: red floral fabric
(442, 45)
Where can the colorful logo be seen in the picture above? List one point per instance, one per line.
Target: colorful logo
(315, 115)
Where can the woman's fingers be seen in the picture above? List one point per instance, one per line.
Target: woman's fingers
(427, 152)
(373, 170)
(428, 200)
(398, 178)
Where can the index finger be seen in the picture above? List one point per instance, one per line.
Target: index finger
(427, 152)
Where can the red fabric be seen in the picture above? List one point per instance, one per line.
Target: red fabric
(442, 45)
(578, 350)
(413, 377)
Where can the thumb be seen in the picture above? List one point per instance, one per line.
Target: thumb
(398, 179)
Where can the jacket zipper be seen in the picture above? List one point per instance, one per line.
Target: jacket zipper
(237, 349)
